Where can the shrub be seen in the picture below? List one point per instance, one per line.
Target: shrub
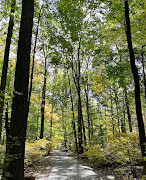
(120, 148)
(35, 150)
(2, 155)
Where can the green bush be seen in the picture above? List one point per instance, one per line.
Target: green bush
(35, 150)
(2, 155)
(120, 148)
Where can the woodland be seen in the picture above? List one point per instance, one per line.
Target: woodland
(72, 78)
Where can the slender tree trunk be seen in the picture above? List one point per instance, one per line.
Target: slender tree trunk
(15, 150)
(80, 116)
(88, 114)
(65, 132)
(144, 76)
(73, 115)
(33, 59)
(33, 63)
(117, 109)
(123, 125)
(84, 132)
(5, 63)
(43, 102)
(113, 123)
(51, 122)
(137, 86)
(128, 111)
(7, 121)
(80, 124)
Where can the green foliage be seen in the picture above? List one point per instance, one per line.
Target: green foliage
(35, 150)
(51, 145)
(120, 148)
(2, 153)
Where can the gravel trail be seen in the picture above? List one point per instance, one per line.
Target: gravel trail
(64, 167)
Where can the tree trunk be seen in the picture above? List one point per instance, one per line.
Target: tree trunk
(7, 121)
(33, 59)
(113, 123)
(43, 102)
(73, 115)
(144, 77)
(137, 86)
(128, 111)
(80, 116)
(15, 150)
(88, 114)
(51, 123)
(123, 125)
(84, 132)
(117, 109)
(65, 132)
(5, 63)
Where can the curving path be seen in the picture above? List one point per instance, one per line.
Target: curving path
(64, 167)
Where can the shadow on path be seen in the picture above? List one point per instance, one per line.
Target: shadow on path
(64, 167)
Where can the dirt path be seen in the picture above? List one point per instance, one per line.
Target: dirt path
(64, 167)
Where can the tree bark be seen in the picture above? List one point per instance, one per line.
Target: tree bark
(7, 121)
(128, 111)
(43, 102)
(123, 125)
(88, 113)
(113, 123)
(73, 115)
(144, 76)
(117, 109)
(5, 63)
(65, 131)
(137, 86)
(15, 150)
(33, 59)
(84, 132)
(80, 116)
(51, 123)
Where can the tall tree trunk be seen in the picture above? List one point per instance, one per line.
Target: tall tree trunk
(33, 63)
(128, 111)
(123, 125)
(84, 132)
(137, 86)
(15, 150)
(7, 121)
(117, 109)
(33, 59)
(43, 101)
(51, 122)
(5, 63)
(73, 115)
(80, 115)
(144, 77)
(37, 125)
(88, 114)
(65, 132)
(113, 123)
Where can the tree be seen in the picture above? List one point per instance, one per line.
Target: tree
(15, 150)
(137, 86)
(73, 114)
(6, 61)
(43, 100)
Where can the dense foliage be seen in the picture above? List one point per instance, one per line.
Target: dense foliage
(82, 95)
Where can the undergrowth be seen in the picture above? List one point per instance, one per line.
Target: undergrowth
(120, 148)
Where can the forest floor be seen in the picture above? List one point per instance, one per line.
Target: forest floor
(64, 166)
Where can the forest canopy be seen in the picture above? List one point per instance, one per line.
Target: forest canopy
(72, 77)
